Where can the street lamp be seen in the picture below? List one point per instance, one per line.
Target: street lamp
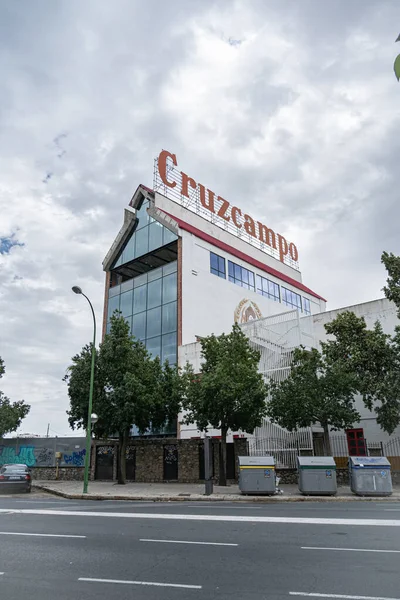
(92, 418)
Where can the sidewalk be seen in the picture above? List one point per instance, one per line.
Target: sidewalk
(179, 492)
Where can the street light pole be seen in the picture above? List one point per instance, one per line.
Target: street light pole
(78, 290)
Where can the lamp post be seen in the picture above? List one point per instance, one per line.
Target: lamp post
(91, 418)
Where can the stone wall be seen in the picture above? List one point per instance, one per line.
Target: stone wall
(64, 473)
(149, 465)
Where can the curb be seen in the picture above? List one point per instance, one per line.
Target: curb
(217, 498)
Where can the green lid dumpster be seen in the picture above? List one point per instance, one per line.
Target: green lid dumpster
(317, 475)
(370, 476)
(257, 475)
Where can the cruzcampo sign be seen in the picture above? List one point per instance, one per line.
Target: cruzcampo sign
(179, 186)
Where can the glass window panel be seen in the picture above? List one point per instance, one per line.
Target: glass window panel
(245, 276)
(153, 322)
(154, 293)
(142, 242)
(143, 216)
(126, 303)
(116, 289)
(129, 251)
(155, 236)
(171, 267)
(170, 288)
(231, 269)
(238, 272)
(113, 304)
(140, 299)
(169, 317)
(139, 326)
(127, 285)
(153, 345)
(169, 348)
(259, 281)
(169, 236)
(213, 261)
(108, 328)
(140, 280)
(154, 274)
(221, 264)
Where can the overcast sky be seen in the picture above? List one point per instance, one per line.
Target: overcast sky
(288, 108)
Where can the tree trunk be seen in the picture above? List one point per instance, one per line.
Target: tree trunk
(327, 441)
(122, 458)
(222, 461)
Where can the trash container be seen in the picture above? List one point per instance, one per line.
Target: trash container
(317, 475)
(370, 475)
(257, 475)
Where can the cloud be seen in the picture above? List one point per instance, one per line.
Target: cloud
(290, 111)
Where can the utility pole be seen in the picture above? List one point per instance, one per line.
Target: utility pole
(48, 427)
(209, 484)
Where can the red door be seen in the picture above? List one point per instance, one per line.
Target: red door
(356, 442)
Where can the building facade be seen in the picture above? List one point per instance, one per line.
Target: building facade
(186, 264)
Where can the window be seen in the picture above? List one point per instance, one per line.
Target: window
(241, 276)
(267, 288)
(139, 326)
(155, 235)
(356, 442)
(169, 317)
(153, 322)
(126, 303)
(113, 304)
(139, 299)
(306, 306)
(291, 298)
(170, 288)
(154, 293)
(217, 265)
(168, 348)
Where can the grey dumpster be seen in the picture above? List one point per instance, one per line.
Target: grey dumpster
(317, 475)
(370, 475)
(257, 475)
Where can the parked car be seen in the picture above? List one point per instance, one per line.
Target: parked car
(15, 478)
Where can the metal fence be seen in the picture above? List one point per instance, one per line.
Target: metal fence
(284, 446)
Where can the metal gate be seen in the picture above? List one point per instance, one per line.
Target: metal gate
(104, 462)
(171, 462)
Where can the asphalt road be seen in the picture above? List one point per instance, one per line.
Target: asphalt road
(57, 549)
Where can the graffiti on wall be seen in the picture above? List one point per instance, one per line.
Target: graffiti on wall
(42, 453)
(25, 456)
(75, 459)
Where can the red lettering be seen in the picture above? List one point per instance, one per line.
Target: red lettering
(185, 181)
(224, 207)
(162, 167)
(293, 252)
(266, 235)
(210, 204)
(234, 213)
(250, 226)
(283, 247)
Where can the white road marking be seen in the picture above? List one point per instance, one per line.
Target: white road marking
(346, 597)
(183, 542)
(154, 583)
(349, 549)
(391, 510)
(219, 518)
(42, 535)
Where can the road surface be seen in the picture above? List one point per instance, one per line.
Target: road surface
(57, 549)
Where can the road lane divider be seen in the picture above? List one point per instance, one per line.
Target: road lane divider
(52, 535)
(343, 596)
(350, 549)
(188, 542)
(152, 583)
(219, 518)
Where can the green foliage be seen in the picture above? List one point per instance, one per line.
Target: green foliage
(130, 388)
(396, 67)
(372, 358)
(317, 391)
(229, 392)
(392, 288)
(11, 413)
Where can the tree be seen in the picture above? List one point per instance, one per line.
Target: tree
(372, 357)
(316, 391)
(130, 388)
(11, 413)
(229, 393)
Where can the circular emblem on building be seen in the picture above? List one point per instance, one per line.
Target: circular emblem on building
(247, 311)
